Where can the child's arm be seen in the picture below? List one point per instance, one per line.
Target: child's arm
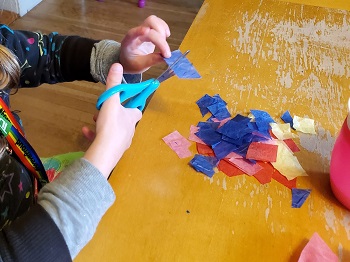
(81, 195)
(65, 219)
(33, 237)
(52, 58)
(74, 203)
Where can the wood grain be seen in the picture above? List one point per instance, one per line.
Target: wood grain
(7, 17)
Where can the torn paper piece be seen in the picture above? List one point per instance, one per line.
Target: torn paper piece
(287, 118)
(235, 130)
(246, 166)
(215, 105)
(292, 145)
(178, 143)
(208, 135)
(262, 152)
(262, 115)
(272, 135)
(305, 125)
(229, 169)
(240, 118)
(265, 174)
(233, 155)
(299, 196)
(183, 67)
(283, 180)
(204, 164)
(219, 111)
(222, 122)
(282, 131)
(223, 148)
(286, 163)
(193, 137)
(203, 104)
(317, 250)
(204, 150)
(262, 120)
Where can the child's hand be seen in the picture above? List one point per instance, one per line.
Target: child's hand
(137, 47)
(115, 128)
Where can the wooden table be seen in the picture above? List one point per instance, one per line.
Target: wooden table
(267, 55)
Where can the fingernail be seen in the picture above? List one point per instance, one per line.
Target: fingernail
(117, 68)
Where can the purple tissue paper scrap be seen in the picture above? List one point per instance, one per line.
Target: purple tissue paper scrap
(204, 164)
(299, 196)
(287, 118)
(216, 105)
(184, 68)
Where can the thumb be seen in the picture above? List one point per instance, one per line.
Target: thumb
(115, 75)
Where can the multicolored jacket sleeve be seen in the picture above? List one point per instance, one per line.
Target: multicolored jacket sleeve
(49, 58)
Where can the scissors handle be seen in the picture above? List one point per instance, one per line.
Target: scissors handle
(136, 94)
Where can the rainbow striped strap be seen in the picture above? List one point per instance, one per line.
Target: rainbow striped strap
(11, 130)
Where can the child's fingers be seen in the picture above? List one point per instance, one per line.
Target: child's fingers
(95, 117)
(157, 24)
(160, 42)
(141, 34)
(89, 134)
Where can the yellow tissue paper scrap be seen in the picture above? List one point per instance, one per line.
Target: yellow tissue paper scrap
(305, 125)
(286, 163)
(282, 131)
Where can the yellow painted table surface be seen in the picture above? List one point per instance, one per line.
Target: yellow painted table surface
(267, 55)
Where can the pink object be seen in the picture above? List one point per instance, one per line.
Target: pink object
(142, 3)
(262, 152)
(317, 250)
(247, 167)
(340, 164)
(222, 122)
(178, 144)
(31, 40)
(193, 137)
(292, 145)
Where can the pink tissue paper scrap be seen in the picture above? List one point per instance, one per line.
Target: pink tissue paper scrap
(193, 137)
(249, 168)
(317, 250)
(178, 144)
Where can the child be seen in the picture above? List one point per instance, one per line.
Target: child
(68, 209)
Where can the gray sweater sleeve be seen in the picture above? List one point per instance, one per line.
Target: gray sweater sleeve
(76, 201)
(103, 55)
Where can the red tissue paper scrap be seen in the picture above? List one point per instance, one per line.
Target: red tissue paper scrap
(262, 152)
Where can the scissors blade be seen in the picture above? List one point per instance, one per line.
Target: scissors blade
(169, 72)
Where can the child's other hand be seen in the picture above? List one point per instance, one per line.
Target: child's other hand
(115, 128)
(138, 46)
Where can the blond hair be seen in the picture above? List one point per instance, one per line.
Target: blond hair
(10, 69)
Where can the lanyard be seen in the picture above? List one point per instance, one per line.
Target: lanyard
(11, 130)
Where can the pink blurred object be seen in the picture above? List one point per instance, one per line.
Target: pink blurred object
(142, 3)
(317, 250)
(340, 164)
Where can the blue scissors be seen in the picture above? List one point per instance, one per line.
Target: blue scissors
(135, 95)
